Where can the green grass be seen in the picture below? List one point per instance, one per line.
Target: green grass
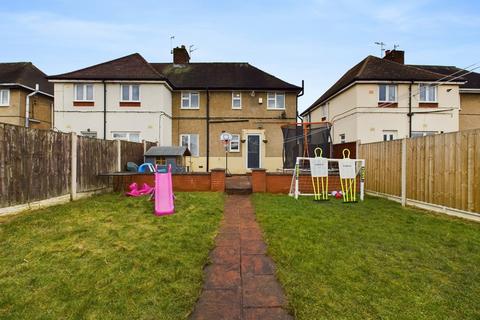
(371, 260)
(107, 257)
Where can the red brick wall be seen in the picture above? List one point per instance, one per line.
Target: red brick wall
(218, 180)
(259, 180)
(280, 183)
(214, 181)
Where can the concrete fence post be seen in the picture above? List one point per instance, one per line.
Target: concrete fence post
(404, 172)
(119, 155)
(357, 149)
(73, 167)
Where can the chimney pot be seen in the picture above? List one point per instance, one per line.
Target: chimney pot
(180, 55)
(397, 56)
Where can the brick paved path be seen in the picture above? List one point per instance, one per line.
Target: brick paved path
(240, 283)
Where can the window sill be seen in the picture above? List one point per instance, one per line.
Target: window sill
(189, 108)
(4, 105)
(428, 104)
(236, 108)
(276, 109)
(130, 104)
(387, 104)
(83, 103)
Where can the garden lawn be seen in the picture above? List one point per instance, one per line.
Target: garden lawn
(107, 257)
(371, 260)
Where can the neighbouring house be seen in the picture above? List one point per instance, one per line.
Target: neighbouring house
(385, 99)
(181, 104)
(469, 93)
(26, 96)
(125, 99)
(238, 98)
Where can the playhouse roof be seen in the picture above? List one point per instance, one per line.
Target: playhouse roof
(168, 151)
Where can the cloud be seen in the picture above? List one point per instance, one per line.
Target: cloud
(68, 30)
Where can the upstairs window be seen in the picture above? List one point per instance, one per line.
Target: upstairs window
(190, 100)
(236, 100)
(275, 100)
(191, 142)
(387, 93)
(83, 92)
(130, 92)
(428, 93)
(342, 138)
(5, 97)
(389, 135)
(235, 143)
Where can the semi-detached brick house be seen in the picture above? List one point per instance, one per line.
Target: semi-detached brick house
(182, 103)
(19, 80)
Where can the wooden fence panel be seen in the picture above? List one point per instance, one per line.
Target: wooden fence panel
(131, 152)
(382, 166)
(95, 156)
(442, 169)
(34, 164)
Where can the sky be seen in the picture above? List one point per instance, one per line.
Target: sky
(316, 41)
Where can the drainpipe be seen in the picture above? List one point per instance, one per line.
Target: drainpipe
(104, 110)
(410, 113)
(301, 93)
(208, 131)
(27, 105)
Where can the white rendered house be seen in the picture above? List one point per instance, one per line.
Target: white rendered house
(384, 99)
(123, 99)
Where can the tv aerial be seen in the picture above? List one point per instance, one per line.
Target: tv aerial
(382, 47)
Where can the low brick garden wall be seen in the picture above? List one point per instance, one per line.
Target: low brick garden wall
(198, 181)
(262, 181)
(273, 182)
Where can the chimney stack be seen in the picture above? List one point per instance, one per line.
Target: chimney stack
(397, 56)
(180, 55)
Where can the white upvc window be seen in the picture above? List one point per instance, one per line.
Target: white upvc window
(389, 135)
(190, 141)
(276, 101)
(126, 135)
(5, 97)
(130, 92)
(428, 92)
(236, 100)
(342, 138)
(387, 93)
(190, 100)
(83, 92)
(235, 143)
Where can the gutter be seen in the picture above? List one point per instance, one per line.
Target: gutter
(410, 113)
(27, 105)
(104, 110)
(208, 130)
(14, 84)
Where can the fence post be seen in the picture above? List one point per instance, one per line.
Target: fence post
(73, 167)
(119, 155)
(404, 172)
(144, 146)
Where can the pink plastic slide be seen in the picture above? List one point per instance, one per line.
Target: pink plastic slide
(164, 193)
